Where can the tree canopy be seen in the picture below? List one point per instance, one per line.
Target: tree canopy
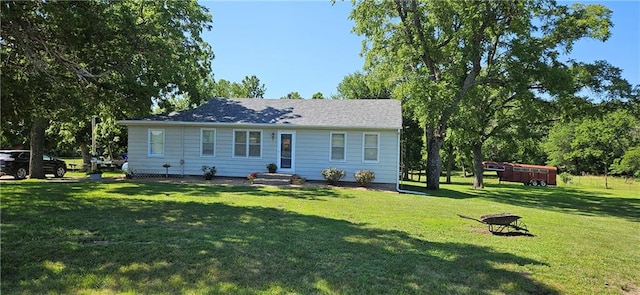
(442, 55)
(292, 95)
(249, 87)
(107, 59)
(595, 144)
(317, 95)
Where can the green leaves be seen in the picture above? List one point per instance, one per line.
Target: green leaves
(111, 59)
(594, 143)
(292, 95)
(496, 61)
(629, 163)
(250, 87)
(564, 25)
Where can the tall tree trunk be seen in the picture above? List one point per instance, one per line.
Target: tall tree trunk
(434, 162)
(83, 138)
(478, 169)
(86, 155)
(36, 169)
(449, 162)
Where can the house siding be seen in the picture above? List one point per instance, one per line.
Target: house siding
(313, 155)
(312, 152)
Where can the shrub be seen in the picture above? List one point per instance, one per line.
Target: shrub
(364, 177)
(566, 177)
(333, 175)
(208, 171)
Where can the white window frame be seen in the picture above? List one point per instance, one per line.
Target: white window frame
(202, 154)
(247, 144)
(364, 147)
(149, 143)
(344, 152)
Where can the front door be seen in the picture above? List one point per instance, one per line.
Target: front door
(286, 151)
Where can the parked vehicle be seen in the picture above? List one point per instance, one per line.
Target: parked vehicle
(527, 174)
(103, 163)
(16, 163)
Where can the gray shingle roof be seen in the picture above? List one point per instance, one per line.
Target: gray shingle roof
(379, 113)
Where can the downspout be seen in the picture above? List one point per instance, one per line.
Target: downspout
(182, 146)
(398, 173)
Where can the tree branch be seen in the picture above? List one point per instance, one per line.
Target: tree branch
(416, 22)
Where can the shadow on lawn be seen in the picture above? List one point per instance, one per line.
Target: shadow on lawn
(549, 198)
(55, 242)
(567, 200)
(207, 190)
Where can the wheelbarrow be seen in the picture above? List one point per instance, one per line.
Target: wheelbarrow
(501, 223)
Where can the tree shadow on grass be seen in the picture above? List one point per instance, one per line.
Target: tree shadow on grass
(442, 192)
(566, 200)
(562, 199)
(66, 244)
(208, 190)
(169, 190)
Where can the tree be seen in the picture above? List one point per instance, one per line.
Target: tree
(558, 146)
(250, 87)
(317, 95)
(292, 95)
(629, 163)
(112, 58)
(489, 112)
(361, 85)
(602, 140)
(222, 88)
(595, 89)
(253, 88)
(593, 144)
(439, 51)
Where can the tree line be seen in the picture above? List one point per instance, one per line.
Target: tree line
(478, 80)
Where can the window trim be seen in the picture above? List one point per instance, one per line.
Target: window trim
(202, 130)
(364, 147)
(149, 143)
(247, 144)
(344, 152)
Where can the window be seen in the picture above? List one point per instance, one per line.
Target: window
(156, 143)
(370, 147)
(207, 142)
(247, 144)
(338, 146)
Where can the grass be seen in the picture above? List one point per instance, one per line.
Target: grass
(165, 238)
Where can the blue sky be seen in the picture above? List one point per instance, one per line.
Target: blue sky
(307, 46)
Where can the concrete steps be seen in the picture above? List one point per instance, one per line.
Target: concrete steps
(275, 179)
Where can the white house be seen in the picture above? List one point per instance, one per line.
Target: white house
(241, 136)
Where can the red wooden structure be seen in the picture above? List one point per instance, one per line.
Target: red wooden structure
(527, 174)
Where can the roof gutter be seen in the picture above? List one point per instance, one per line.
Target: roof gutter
(248, 125)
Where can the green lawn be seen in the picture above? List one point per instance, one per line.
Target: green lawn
(144, 237)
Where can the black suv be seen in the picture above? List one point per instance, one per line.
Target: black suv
(16, 163)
